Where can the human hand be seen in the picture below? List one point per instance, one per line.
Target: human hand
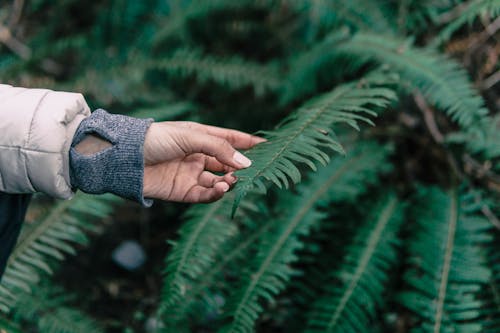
(180, 158)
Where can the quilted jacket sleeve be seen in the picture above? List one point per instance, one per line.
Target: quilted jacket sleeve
(36, 130)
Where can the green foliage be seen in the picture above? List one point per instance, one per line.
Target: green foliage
(439, 78)
(49, 239)
(472, 10)
(47, 307)
(320, 251)
(305, 135)
(232, 72)
(357, 288)
(446, 266)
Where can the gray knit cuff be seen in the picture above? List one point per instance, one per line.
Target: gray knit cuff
(118, 169)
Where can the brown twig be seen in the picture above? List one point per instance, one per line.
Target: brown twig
(430, 123)
(482, 171)
(453, 14)
(13, 43)
(429, 119)
(485, 209)
(15, 15)
(491, 80)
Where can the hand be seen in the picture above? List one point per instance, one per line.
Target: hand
(180, 157)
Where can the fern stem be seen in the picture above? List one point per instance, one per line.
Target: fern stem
(452, 221)
(365, 259)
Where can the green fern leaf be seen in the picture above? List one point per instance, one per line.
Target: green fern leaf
(306, 136)
(349, 303)
(482, 140)
(231, 72)
(207, 228)
(51, 238)
(440, 79)
(343, 179)
(176, 22)
(474, 9)
(447, 266)
(47, 308)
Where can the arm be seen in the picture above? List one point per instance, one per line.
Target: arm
(37, 127)
(44, 132)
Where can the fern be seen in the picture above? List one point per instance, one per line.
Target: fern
(350, 300)
(201, 237)
(355, 172)
(343, 179)
(447, 266)
(482, 140)
(440, 79)
(175, 23)
(473, 9)
(47, 308)
(49, 239)
(304, 136)
(230, 72)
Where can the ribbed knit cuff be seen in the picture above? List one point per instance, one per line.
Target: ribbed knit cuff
(118, 169)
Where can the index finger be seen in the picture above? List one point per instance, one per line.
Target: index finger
(238, 139)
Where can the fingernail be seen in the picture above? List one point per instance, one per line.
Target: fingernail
(225, 187)
(241, 160)
(258, 139)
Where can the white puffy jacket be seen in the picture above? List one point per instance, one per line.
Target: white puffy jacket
(36, 130)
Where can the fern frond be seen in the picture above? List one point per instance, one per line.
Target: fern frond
(447, 265)
(491, 296)
(270, 270)
(306, 136)
(350, 301)
(482, 140)
(474, 9)
(231, 72)
(305, 66)
(50, 239)
(206, 228)
(442, 81)
(174, 24)
(46, 308)
(357, 14)
(360, 168)
(7, 326)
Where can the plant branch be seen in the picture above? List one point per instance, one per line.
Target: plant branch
(15, 45)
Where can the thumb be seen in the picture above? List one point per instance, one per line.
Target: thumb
(217, 147)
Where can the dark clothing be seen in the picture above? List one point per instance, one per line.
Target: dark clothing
(12, 210)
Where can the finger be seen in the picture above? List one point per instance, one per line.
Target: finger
(238, 139)
(211, 164)
(208, 179)
(213, 146)
(230, 178)
(200, 194)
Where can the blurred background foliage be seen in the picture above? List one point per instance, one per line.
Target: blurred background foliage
(398, 233)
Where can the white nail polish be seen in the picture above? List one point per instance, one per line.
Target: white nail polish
(241, 160)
